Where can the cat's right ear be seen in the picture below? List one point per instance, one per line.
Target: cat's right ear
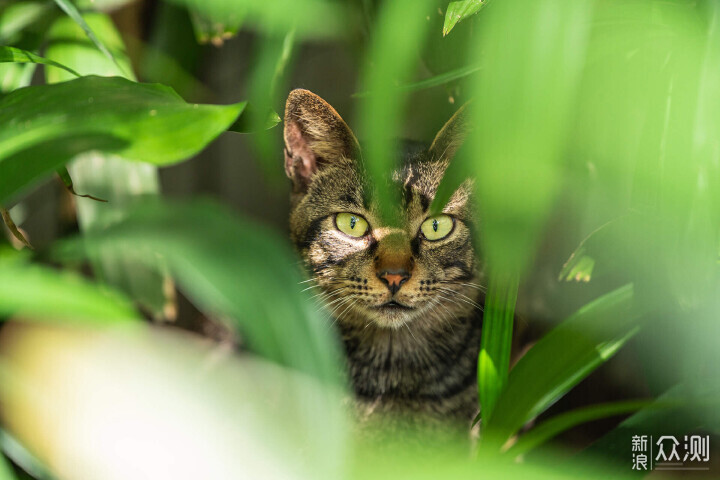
(315, 135)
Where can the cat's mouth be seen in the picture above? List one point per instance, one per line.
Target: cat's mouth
(392, 305)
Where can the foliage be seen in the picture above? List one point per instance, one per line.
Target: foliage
(605, 111)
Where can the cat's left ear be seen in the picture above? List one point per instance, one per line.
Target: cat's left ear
(451, 136)
(315, 135)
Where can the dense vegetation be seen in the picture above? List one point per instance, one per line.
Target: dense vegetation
(604, 114)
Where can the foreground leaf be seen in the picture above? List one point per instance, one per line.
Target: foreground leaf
(44, 294)
(151, 122)
(226, 265)
(561, 359)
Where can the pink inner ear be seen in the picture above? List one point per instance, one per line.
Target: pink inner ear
(301, 161)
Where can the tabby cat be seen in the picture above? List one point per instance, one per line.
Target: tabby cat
(405, 299)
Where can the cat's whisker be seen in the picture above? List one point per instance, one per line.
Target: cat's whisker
(462, 297)
(411, 333)
(350, 299)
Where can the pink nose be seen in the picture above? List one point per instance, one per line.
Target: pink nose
(394, 279)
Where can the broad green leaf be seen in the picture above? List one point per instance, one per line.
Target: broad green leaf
(69, 8)
(565, 421)
(496, 342)
(43, 294)
(226, 265)
(460, 10)
(108, 176)
(16, 55)
(151, 121)
(562, 358)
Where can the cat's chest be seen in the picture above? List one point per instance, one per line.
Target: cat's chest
(398, 365)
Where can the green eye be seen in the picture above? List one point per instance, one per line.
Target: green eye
(351, 224)
(435, 228)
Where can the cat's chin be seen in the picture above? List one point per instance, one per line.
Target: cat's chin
(392, 315)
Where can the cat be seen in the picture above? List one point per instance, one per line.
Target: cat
(406, 301)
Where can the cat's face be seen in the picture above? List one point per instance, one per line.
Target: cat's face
(365, 270)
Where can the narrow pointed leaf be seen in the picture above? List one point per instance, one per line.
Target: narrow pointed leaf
(17, 55)
(561, 359)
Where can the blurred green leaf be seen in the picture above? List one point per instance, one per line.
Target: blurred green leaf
(565, 421)
(69, 8)
(522, 109)
(380, 114)
(434, 81)
(213, 30)
(227, 265)
(154, 124)
(496, 341)
(44, 294)
(16, 55)
(562, 358)
(311, 18)
(170, 406)
(18, 16)
(460, 10)
(6, 471)
(683, 409)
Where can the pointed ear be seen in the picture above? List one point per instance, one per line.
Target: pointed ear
(315, 135)
(451, 136)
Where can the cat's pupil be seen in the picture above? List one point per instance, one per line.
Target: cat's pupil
(353, 221)
(435, 225)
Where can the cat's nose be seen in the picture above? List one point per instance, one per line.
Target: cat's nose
(394, 278)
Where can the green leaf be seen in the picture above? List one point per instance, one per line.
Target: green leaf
(496, 342)
(148, 123)
(108, 176)
(526, 91)
(226, 265)
(16, 55)
(72, 12)
(19, 16)
(6, 471)
(380, 115)
(565, 421)
(460, 10)
(43, 294)
(562, 358)
(682, 409)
